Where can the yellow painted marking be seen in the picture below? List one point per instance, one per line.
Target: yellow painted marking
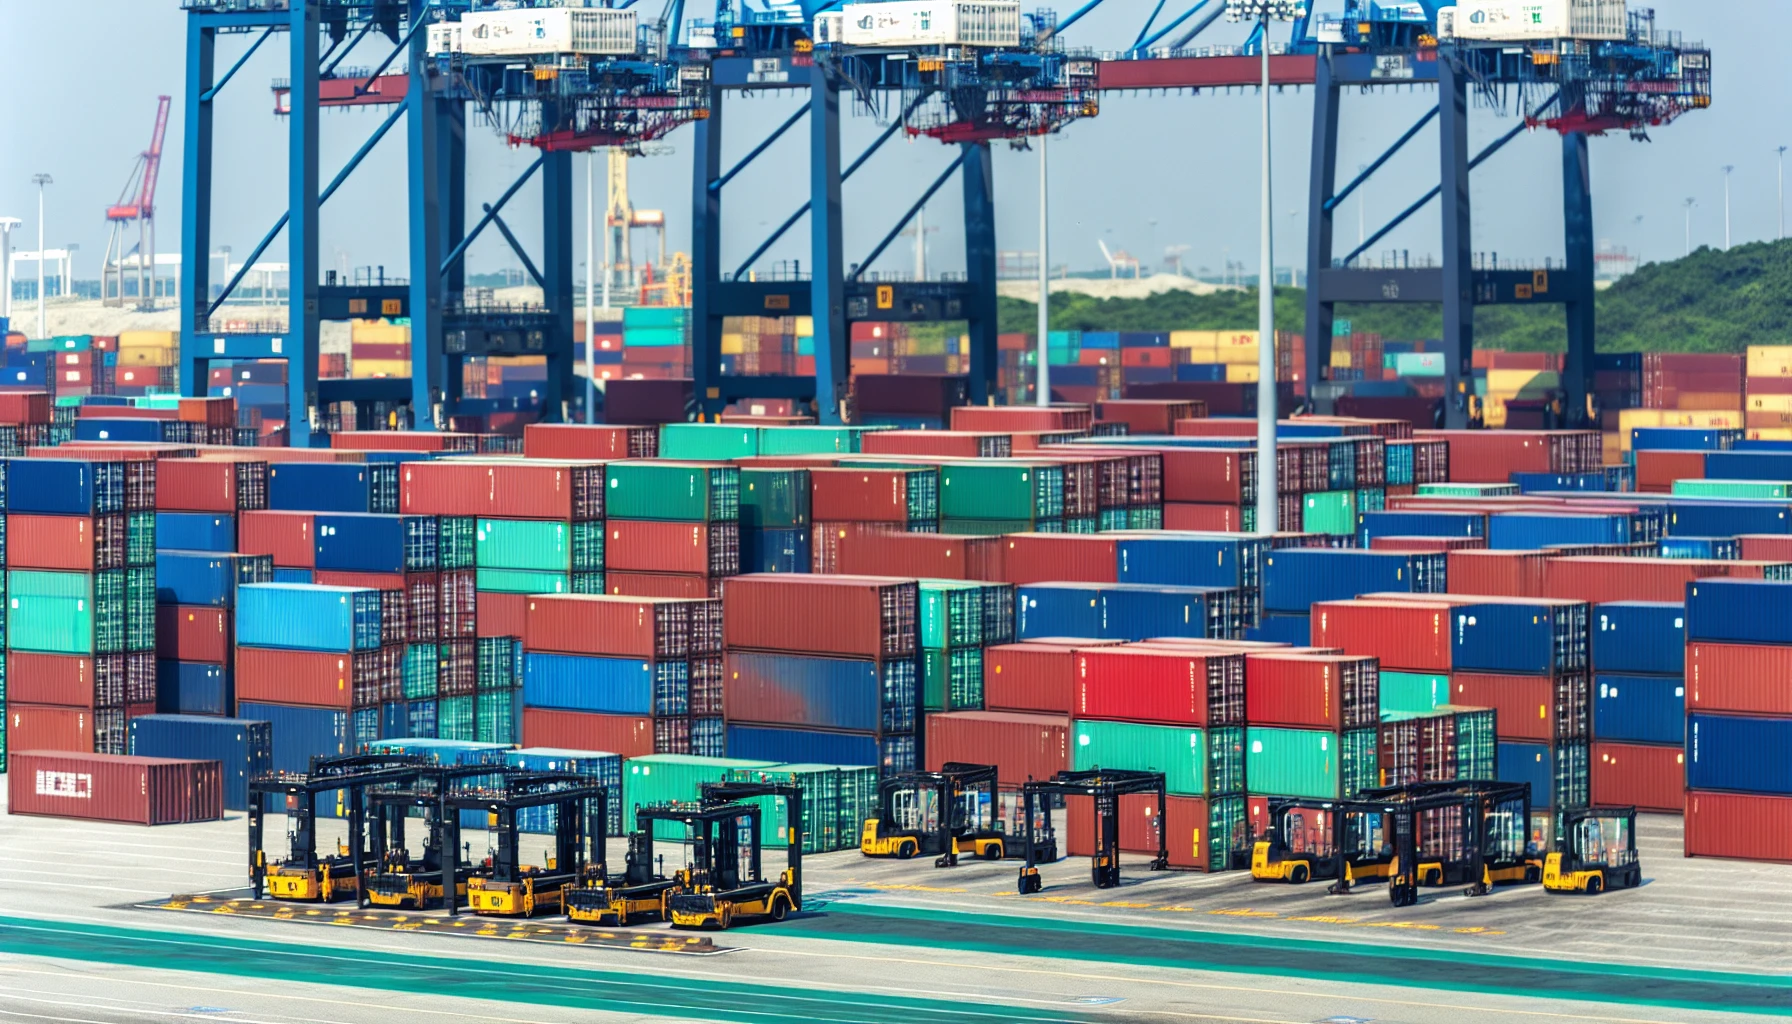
(897, 887)
(1128, 906)
(1244, 913)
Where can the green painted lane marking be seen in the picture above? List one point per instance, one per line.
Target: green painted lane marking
(1231, 952)
(538, 984)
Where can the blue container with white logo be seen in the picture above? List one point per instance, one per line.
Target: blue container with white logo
(209, 578)
(1639, 637)
(1295, 578)
(333, 487)
(1639, 709)
(196, 531)
(193, 688)
(1520, 638)
(365, 542)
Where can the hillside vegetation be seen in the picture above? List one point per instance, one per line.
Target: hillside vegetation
(1711, 301)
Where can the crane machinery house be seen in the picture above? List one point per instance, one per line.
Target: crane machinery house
(1522, 20)
(520, 32)
(898, 23)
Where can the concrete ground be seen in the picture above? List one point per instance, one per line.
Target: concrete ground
(1701, 941)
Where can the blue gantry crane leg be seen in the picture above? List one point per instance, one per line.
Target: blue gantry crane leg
(1577, 219)
(827, 292)
(1458, 243)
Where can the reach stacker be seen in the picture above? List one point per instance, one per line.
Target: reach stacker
(941, 814)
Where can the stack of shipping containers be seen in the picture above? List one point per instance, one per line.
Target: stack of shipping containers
(1639, 705)
(673, 528)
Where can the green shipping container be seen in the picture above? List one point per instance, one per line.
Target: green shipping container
(140, 539)
(539, 546)
(1310, 763)
(140, 610)
(68, 612)
(457, 542)
(1466, 490)
(858, 801)
(1150, 517)
(673, 778)
(952, 680)
(1477, 745)
(1766, 489)
(669, 491)
(1413, 692)
(654, 316)
(654, 337)
(774, 499)
(1332, 512)
(454, 720)
(805, 440)
(422, 671)
(524, 581)
(1001, 489)
(951, 613)
(497, 717)
(1195, 762)
(708, 442)
(820, 784)
(1371, 499)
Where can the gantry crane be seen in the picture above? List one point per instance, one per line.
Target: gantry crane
(141, 211)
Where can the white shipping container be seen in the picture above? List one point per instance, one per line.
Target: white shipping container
(828, 28)
(1500, 21)
(531, 31)
(929, 23)
(444, 37)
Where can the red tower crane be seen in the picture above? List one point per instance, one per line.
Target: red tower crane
(143, 213)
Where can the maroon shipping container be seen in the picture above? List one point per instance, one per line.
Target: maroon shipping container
(1204, 518)
(1059, 557)
(70, 680)
(1402, 635)
(1209, 476)
(1649, 778)
(1150, 415)
(620, 627)
(25, 407)
(47, 727)
(688, 586)
(193, 633)
(1497, 573)
(581, 441)
(925, 394)
(859, 495)
(627, 735)
(639, 545)
(648, 402)
(288, 536)
(1187, 837)
(1492, 456)
(1656, 471)
(1541, 708)
(1009, 418)
(1739, 826)
(213, 412)
(1159, 684)
(1030, 676)
(857, 616)
(502, 614)
(515, 489)
(457, 604)
(1739, 678)
(1021, 746)
(107, 787)
(404, 441)
(962, 444)
(211, 485)
(1225, 426)
(1303, 691)
(1636, 579)
(75, 543)
(1765, 547)
(315, 679)
(872, 549)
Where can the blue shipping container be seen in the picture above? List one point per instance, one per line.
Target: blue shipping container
(244, 747)
(1191, 560)
(308, 618)
(614, 686)
(1732, 753)
(208, 578)
(1771, 466)
(193, 688)
(1712, 548)
(1739, 611)
(364, 542)
(1295, 578)
(604, 767)
(284, 575)
(94, 428)
(776, 550)
(65, 487)
(299, 734)
(1110, 611)
(1683, 439)
(1639, 709)
(1694, 518)
(1403, 523)
(196, 531)
(333, 487)
(1520, 637)
(1532, 763)
(1639, 636)
(804, 746)
(827, 693)
(1276, 627)
(1524, 531)
(1547, 483)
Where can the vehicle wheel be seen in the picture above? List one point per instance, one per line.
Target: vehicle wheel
(1595, 885)
(1030, 884)
(1299, 875)
(904, 851)
(992, 852)
(780, 909)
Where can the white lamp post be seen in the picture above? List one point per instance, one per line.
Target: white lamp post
(41, 180)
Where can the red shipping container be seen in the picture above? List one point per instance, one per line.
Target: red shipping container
(594, 441)
(1149, 415)
(1059, 557)
(627, 735)
(1492, 456)
(1649, 778)
(404, 441)
(687, 586)
(213, 412)
(47, 727)
(613, 627)
(1031, 677)
(502, 614)
(1098, 357)
(1427, 544)
(210, 485)
(1161, 358)
(1009, 418)
(193, 633)
(1302, 691)
(1602, 579)
(76, 543)
(379, 350)
(640, 545)
(857, 616)
(107, 787)
(1656, 471)
(1404, 635)
(1205, 518)
(1765, 547)
(1020, 746)
(1739, 678)
(287, 536)
(1188, 839)
(1208, 476)
(73, 377)
(946, 443)
(1497, 573)
(1525, 706)
(870, 549)
(1144, 684)
(25, 407)
(860, 495)
(1739, 826)
(66, 680)
(1227, 426)
(318, 680)
(510, 490)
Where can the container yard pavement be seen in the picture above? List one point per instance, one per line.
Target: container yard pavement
(901, 940)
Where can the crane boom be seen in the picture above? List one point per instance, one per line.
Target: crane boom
(150, 164)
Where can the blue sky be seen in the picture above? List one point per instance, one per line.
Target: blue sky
(1149, 172)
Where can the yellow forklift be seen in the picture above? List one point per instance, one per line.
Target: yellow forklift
(1458, 833)
(726, 880)
(502, 885)
(1313, 840)
(1104, 788)
(639, 894)
(1600, 852)
(941, 814)
(304, 875)
(401, 877)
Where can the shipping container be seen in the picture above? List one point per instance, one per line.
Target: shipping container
(318, 679)
(208, 485)
(1528, 636)
(193, 688)
(1531, 707)
(286, 536)
(317, 618)
(876, 495)
(851, 615)
(627, 735)
(196, 531)
(1738, 826)
(1163, 686)
(1195, 762)
(673, 491)
(1647, 777)
(529, 545)
(208, 578)
(827, 693)
(244, 748)
(1739, 611)
(1021, 746)
(376, 543)
(603, 767)
(67, 612)
(1738, 678)
(709, 549)
(49, 727)
(1294, 579)
(654, 779)
(1725, 752)
(1040, 557)
(1413, 692)
(301, 733)
(1639, 637)
(616, 686)
(1639, 708)
(334, 487)
(105, 787)
(622, 626)
(1335, 692)
(71, 543)
(1202, 834)
(1176, 559)
(1446, 744)
(588, 441)
(891, 753)
(69, 487)
(509, 489)
(1319, 764)
(1406, 635)
(1118, 611)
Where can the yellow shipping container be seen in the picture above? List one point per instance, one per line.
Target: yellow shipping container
(141, 356)
(1194, 339)
(1235, 339)
(1770, 361)
(1341, 359)
(733, 344)
(805, 327)
(1242, 373)
(378, 332)
(1613, 445)
(148, 339)
(1770, 433)
(1705, 400)
(1769, 403)
(1493, 412)
(1236, 355)
(1513, 383)
(362, 369)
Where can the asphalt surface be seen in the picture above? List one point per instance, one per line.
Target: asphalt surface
(885, 941)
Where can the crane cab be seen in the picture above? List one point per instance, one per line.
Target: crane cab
(1599, 852)
(946, 814)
